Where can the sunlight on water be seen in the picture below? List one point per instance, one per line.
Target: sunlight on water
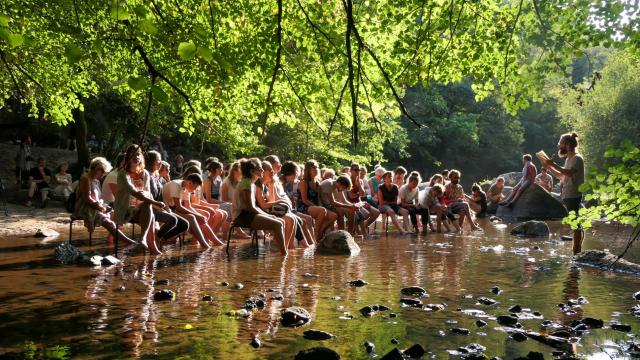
(111, 313)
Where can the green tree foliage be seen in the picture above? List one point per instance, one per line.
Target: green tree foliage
(479, 138)
(614, 191)
(232, 71)
(605, 110)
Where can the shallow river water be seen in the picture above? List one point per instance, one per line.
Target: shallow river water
(110, 313)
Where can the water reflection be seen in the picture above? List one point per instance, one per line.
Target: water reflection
(111, 312)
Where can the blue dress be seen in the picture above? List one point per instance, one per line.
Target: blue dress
(312, 196)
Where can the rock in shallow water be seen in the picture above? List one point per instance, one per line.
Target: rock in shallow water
(486, 301)
(531, 229)
(295, 316)
(318, 335)
(67, 253)
(414, 291)
(507, 320)
(338, 242)
(357, 283)
(415, 352)
(605, 260)
(317, 353)
(411, 302)
(255, 342)
(164, 295)
(621, 327)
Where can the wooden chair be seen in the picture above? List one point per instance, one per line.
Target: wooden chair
(74, 218)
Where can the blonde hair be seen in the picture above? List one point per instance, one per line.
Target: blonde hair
(100, 163)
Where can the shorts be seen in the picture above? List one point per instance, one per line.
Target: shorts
(244, 219)
(573, 204)
(387, 207)
(457, 207)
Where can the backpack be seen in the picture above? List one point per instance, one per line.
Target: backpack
(70, 205)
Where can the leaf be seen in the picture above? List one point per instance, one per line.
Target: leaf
(73, 53)
(118, 12)
(141, 11)
(138, 83)
(205, 53)
(15, 40)
(148, 26)
(4, 20)
(187, 50)
(159, 94)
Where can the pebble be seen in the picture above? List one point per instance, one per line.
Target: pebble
(496, 290)
(207, 298)
(461, 331)
(255, 342)
(224, 283)
(369, 346)
(162, 282)
(394, 341)
(357, 283)
(238, 286)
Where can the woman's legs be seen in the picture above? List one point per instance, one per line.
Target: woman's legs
(394, 219)
(405, 219)
(196, 230)
(147, 223)
(289, 230)
(265, 222)
(329, 220)
(307, 227)
(318, 213)
(113, 229)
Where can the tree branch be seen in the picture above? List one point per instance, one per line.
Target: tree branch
(513, 29)
(13, 78)
(275, 69)
(155, 73)
(314, 26)
(148, 111)
(403, 109)
(373, 115)
(304, 105)
(335, 114)
(213, 28)
(348, 6)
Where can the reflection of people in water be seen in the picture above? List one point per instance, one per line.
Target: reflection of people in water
(571, 291)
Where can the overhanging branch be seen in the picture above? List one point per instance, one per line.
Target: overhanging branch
(275, 69)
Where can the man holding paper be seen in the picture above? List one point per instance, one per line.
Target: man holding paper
(572, 176)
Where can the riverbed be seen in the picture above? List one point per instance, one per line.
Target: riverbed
(110, 312)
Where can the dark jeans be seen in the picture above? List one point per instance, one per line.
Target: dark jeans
(172, 224)
(413, 215)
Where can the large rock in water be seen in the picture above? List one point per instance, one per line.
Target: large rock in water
(605, 260)
(534, 204)
(531, 228)
(67, 253)
(338, 242)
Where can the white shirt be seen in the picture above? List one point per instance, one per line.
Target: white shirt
(107, 195)
(409, 196)
(172, 190)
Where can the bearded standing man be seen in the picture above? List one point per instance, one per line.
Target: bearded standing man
(572, 176)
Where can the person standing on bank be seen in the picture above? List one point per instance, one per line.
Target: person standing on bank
(572, 176)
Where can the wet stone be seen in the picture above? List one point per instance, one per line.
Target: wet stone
(621, 327)
(164, 295)
(481, 323)
(506, 320)
(637, 296)
(278, 297)
(318, 335)
(415, 352)
(414, 291)
(515, 309)
(394, 341)
(593, 323)
(461, 331)
(411, 302)
(435, 307)
(238, 286)
(357, 283)
(254, 303)
(635, 311)
(224, 283)
(486, 301)
(394, 354)
(255, 342)
(295, 316)
(519, 337)
(562, 333)
(317, 353)
(496, 290)
(472, 349)
(393, 315)
(207, 298)
(110, 260)
(162, 282)
(369, 346)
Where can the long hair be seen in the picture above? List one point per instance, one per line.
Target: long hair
(130, 154)
(310, 164)
(235, 167)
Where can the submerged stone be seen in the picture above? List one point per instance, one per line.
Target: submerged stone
(414, 291)
(531, 228)
(162, 282)
(496, 290)
(507, 320)
(411, 302)
(605, 260)
(357, 283)
(621, 327)
(515, 309)
(593, 323)
(164, 295)
(317, 353)
(461, 331)
(207, 298)
(318, 335)
(294, 316)
(519, 337)
(637, 296)
(369, 346)
(394, 354)
(486, 301)
(255, 342)
(415, 352)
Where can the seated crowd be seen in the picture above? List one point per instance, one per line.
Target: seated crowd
(295, 204)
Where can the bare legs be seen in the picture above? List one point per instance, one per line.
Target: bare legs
(275, 226)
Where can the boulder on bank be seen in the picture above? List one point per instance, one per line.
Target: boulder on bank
(338, 242)
(531, 228)
(535, 203)
(605, 260)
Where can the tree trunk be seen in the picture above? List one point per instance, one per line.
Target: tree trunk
(81, 138)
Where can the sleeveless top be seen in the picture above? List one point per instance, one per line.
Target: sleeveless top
(389, 195)
(375, 184)
(312, 194)
(216, 185)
